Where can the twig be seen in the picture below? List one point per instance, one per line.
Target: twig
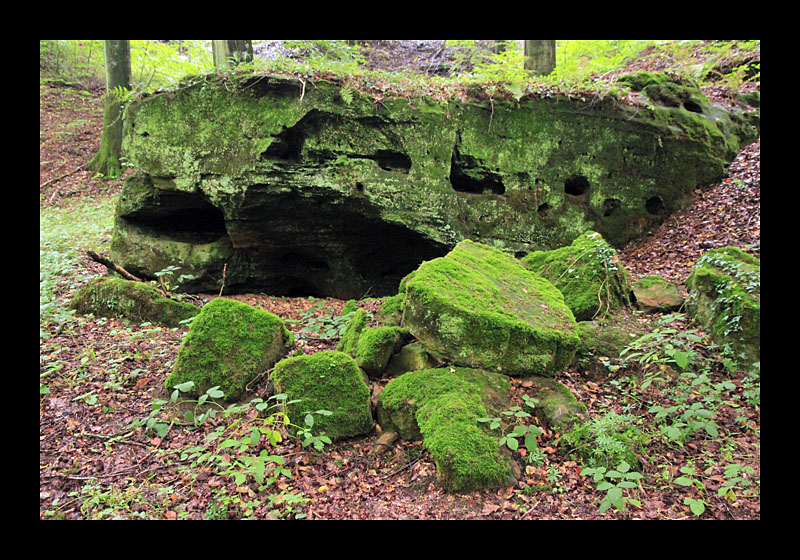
(53, 180)
(111, 266)
(224, 268)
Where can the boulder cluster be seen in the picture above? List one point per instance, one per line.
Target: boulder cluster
(448, 342)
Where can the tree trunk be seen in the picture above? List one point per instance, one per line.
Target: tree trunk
(540, 56)
(229, 53)
(118, 75)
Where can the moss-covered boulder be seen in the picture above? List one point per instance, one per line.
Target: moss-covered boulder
(603, 341)
(304, 187)
(134, 301)
(556, 406)
(229, 344)
(442, 407)
(725, 297)
(654, 294)
(327, 380)
(588, 272)
(371, 347)
(478, 307)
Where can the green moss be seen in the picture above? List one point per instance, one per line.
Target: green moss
(587, 272)
(442, 407)
(725, 297)
(135, 301)
(478, 307)
(229, 344)
(349, 340)
(327, 380)
(375, 346)
(411, 357)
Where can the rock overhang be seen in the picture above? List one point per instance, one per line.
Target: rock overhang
(313, 192)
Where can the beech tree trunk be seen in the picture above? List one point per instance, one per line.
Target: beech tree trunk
(228, 53)
(118, 75)
(540, 56)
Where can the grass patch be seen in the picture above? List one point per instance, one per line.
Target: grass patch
(65, 234)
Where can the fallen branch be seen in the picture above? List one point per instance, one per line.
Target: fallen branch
(111, 266)
(54, 179)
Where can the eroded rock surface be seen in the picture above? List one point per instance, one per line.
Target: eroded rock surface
(300, 188)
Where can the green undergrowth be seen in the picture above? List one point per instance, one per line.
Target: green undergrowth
(65, 234)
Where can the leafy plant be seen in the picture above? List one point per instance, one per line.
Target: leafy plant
(322, 321)
(607, 440)
(614, 483)
(514, 416)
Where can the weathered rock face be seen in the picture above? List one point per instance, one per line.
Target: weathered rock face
(312, 189)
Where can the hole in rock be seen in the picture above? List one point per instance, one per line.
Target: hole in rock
(288, 145)
(655, 206)
(543, 209)
(610, 206)
(576, 185)
(467, 176)
(692, 106)
(300, 260)
(298, 287)
(390, 160)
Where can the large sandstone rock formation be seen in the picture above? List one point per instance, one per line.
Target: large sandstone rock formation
(301, 188)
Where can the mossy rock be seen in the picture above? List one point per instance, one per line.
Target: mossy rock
(556, 406)
(135, 301)
(589, 274)
(371, 347)
(442, 407)
(326, 380)
(478, 307)
(229, 344)
(603, 341)
(349, 339)
(725, 297)
(411, 357)
(655, 294)
(375, 347)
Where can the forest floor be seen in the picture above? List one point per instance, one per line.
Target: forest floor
(102, 374)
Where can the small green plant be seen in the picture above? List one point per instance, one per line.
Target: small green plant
(167, 283)
(322, 321)
(736, 476)
(607, 440)
(514, 416)
(614, 483)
